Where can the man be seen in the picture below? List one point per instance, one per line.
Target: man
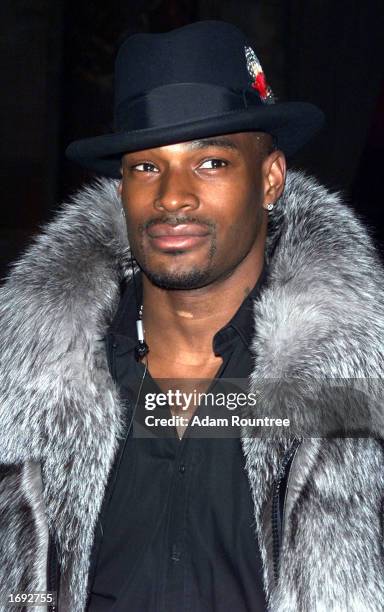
(241, 272)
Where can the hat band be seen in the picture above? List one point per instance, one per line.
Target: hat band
(180, 102)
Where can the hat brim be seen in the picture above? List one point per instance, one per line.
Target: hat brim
(291, 123)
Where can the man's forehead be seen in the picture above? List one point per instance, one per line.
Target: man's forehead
(226, 142)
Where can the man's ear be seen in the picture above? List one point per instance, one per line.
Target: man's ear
(274, 170)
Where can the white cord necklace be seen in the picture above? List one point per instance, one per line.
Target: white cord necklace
(142, 347)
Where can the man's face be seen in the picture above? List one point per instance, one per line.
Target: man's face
(194, 210)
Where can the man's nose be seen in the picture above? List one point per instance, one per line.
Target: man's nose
(176, 192)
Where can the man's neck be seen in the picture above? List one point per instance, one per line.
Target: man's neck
(180, 325)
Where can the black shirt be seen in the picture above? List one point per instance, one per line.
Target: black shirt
(176, 532)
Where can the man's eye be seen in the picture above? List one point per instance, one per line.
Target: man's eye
(213, 164)
(145, 167)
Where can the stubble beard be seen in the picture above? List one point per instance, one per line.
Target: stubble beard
(194, 278)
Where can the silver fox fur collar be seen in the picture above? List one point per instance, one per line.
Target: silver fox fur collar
(321, 315)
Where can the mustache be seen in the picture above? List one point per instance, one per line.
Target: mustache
(173, 220)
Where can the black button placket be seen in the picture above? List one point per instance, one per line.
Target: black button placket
(177, 570)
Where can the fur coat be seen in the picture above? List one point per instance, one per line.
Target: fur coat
(320, 317)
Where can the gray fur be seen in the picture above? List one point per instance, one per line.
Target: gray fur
(321, 316)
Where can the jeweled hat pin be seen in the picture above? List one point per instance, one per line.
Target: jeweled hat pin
(201, 80)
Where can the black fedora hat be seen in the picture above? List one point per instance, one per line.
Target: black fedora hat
(200, 80)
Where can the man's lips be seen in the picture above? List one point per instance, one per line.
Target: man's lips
(177, 237)
(159, 230)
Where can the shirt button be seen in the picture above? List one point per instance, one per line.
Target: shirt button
(176, 554)
(182, 468)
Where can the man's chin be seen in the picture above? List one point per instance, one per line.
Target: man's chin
(192, 279)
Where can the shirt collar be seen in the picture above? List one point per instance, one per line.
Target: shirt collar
(242, 323)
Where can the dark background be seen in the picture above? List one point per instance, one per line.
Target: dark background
(56, 84)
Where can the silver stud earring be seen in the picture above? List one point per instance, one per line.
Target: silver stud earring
(269, 207)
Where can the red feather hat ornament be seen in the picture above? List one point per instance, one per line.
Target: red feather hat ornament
(257, 74)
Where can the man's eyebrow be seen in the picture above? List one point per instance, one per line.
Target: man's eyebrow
(219, 141)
